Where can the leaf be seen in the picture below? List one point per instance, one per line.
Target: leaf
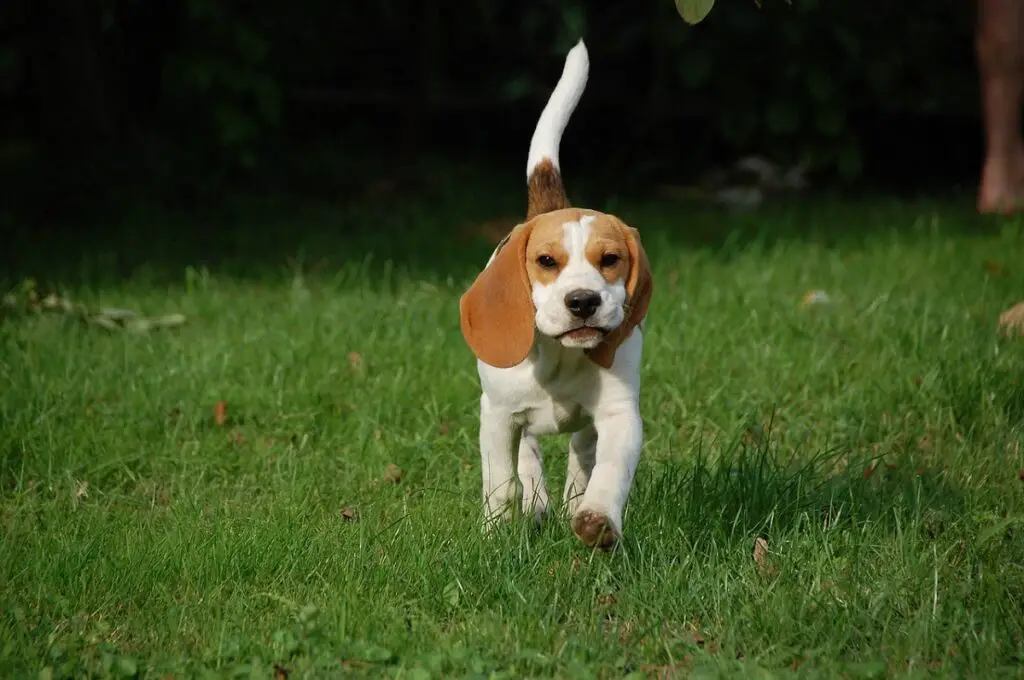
(393, 473)
(761, 553)
(1012, 320)
(764, 566)
(220, 412)
(694, 11)
(994, 268)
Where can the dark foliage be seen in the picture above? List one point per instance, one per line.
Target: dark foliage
(189, 96)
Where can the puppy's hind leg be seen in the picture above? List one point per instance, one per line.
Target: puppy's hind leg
(582, 454)
(531, 476)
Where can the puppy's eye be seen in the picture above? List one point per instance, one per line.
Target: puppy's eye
(546, 261)
(609, 260)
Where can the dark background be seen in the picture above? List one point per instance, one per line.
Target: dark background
(106, 105)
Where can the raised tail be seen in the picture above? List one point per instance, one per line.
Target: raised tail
(545, 191)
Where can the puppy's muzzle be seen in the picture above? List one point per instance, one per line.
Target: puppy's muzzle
(582, 303)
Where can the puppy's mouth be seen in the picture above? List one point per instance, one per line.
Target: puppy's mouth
(583, 333)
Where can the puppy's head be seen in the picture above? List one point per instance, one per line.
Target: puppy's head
(580, 277)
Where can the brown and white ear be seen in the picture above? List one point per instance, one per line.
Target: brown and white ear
(496, 314)
(639, 286)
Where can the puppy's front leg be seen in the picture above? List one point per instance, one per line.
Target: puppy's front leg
(598, 519)
(499, 439)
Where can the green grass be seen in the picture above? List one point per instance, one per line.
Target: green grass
(140, 536)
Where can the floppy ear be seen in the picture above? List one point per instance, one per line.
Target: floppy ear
(496, 313)
(639, 287)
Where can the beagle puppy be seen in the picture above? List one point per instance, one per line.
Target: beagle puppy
(555, 320)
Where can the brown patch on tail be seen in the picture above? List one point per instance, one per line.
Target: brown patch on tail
(544, 190)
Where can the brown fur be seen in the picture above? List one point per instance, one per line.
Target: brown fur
(545, 191)
(606, 238)
(496, 313)
(639, 286)
(547, 239)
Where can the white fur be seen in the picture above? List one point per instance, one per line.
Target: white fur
(557, 388)
(547, 136)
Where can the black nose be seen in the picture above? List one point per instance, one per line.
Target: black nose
(582, 302)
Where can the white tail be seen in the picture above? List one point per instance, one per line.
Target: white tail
(547, 136)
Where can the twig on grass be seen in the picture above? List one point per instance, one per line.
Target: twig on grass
(25, 300)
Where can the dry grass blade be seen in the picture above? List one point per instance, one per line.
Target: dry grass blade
(764, 566)
(393, 473)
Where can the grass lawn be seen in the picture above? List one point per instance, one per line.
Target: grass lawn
(874, 444)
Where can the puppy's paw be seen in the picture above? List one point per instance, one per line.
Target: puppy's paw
(595, 530)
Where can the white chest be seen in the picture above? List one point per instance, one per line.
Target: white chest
(546, 396)
(554, 417)
(560, 390)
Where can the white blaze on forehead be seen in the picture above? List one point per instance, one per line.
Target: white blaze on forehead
(575, 237)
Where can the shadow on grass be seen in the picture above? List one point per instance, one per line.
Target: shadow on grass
(974, 396)
(436, 220)
(752, 488)
(751, 492)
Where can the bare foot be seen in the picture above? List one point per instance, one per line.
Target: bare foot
(1002, 185)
